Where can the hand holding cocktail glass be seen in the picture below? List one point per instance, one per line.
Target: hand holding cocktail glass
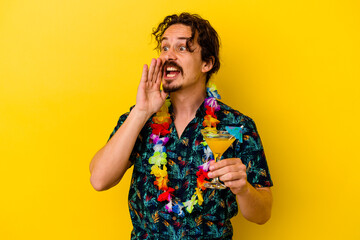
(219, 142)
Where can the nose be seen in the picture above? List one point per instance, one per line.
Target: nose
(169, 55)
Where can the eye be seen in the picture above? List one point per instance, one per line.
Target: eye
(182, 48)
(165, 48)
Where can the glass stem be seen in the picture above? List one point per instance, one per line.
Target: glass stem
(217, 159)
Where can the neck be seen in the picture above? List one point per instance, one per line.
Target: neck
(186, 104)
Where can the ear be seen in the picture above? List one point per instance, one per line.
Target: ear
(208, 65)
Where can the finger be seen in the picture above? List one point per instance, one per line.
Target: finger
(232, 176)
(232, 169)
(225, 162)
(159, 76)
(151, 69)
(144, 74)
(236, 185)
(157, 70)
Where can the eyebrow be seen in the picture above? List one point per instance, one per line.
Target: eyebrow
(179, 38)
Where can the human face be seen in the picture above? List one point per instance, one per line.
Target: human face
(182, 68)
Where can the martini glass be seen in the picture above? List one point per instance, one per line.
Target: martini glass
(218, 141)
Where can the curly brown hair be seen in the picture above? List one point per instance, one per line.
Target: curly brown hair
(208, 38)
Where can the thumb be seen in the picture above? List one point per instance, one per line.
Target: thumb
(164, 94)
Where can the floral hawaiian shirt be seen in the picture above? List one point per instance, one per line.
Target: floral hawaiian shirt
(211, 220)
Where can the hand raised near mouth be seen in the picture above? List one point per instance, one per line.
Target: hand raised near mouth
(149, 98)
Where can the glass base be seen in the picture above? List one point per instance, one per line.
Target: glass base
(216, 185)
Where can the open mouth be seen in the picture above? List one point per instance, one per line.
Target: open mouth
(171, 70)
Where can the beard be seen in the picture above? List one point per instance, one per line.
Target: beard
(169, 89)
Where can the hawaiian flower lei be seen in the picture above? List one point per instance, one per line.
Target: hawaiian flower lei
(160, 128)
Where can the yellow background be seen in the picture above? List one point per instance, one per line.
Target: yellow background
(69, 68)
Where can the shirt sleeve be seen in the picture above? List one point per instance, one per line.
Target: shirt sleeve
(252, 155)
(135, 151)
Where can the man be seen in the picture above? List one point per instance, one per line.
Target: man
(161, 138)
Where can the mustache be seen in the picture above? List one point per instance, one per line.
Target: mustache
(171, 64)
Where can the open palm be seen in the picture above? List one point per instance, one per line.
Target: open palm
(149, 98)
